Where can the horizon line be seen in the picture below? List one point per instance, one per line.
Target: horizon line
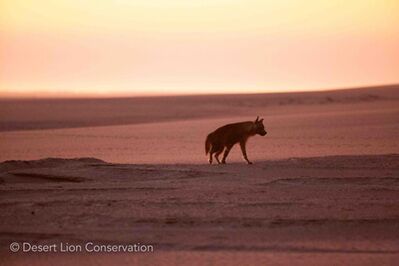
(71, 95)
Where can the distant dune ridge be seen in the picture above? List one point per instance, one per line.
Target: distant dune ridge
(26, 114)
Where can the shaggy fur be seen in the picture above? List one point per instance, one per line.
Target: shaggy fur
(225, 137)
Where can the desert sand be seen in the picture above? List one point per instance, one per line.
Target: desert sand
(323, 190)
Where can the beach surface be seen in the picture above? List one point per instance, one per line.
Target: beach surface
(323, 189)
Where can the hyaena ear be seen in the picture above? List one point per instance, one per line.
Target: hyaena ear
(257, 118)
(261, 120)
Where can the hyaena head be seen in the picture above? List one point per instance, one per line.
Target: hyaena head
(259, 127)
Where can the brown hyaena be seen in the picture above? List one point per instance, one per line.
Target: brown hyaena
(225, 137)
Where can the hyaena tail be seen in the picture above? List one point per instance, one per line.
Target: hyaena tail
(207, 145)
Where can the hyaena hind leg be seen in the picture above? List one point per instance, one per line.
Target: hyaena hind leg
(226, 153)
(217, 155)
(214, 149)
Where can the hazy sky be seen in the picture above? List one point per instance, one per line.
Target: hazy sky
(119, 47)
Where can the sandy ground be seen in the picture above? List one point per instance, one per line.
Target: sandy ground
(310, 207)
(324, 189)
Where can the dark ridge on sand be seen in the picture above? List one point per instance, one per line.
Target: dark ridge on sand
(28, 114)
(44, 163)
(388, 161)
(52, 161)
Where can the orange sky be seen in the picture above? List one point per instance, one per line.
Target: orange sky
(125, 47)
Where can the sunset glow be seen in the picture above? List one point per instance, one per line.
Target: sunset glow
(121, 47)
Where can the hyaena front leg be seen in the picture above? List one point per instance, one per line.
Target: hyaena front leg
(244, 152)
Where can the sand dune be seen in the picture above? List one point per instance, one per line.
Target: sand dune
(324, 187)
(320, 205)
(28, 114)
(306, 130)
